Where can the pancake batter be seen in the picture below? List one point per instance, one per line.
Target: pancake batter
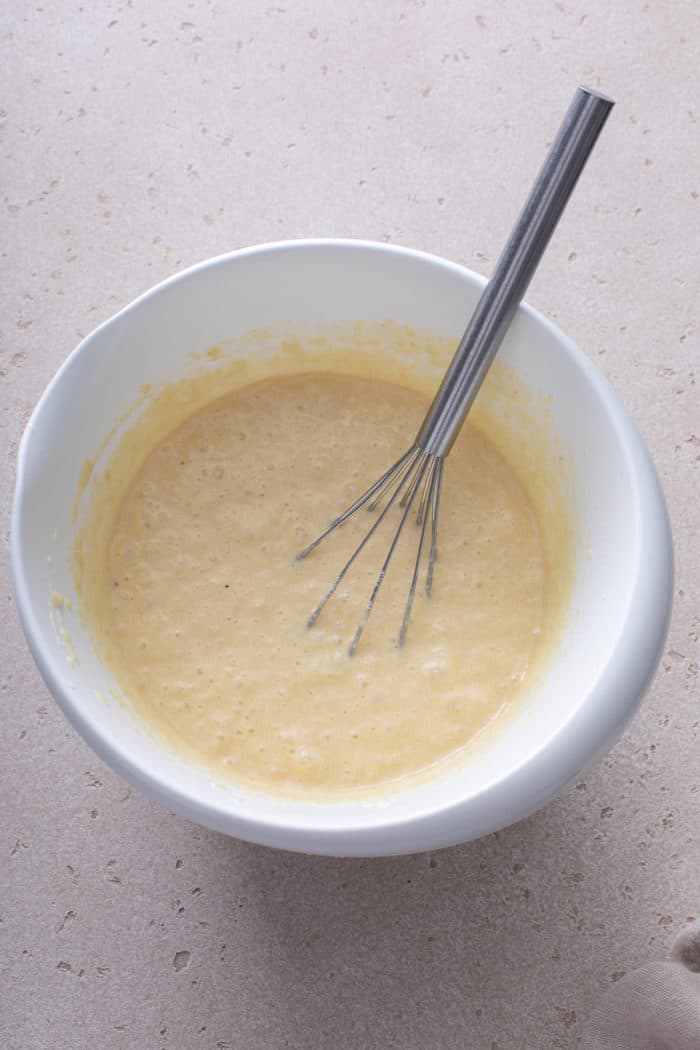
(205, 607)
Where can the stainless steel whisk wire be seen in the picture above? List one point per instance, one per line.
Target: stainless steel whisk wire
(417, 474)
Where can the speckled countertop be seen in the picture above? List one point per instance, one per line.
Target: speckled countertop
(140, 138)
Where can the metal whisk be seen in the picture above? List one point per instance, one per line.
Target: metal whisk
(416, 478)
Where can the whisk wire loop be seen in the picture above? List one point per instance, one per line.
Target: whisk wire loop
(406, 502)
(416, 475)
(434, 509)
(399, 476)
(422, 519)
(377, 490)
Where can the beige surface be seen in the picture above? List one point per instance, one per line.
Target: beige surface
(139, 139)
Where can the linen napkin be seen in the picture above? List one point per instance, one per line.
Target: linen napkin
(656, 1007)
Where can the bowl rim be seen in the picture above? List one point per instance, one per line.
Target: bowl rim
(560, 758)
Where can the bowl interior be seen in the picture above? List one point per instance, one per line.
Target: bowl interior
(617, 509)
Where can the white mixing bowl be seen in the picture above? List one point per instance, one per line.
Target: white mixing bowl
(622, 594)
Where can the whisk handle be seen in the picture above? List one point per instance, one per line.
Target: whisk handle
(514, 270)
